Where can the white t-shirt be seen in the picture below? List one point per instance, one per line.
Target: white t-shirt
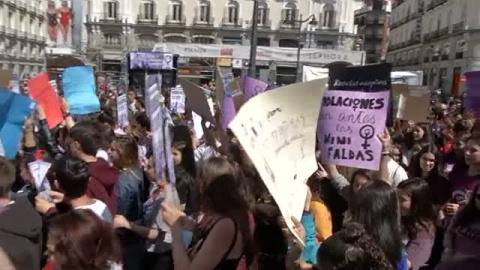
(100, 209)
(103, 154)
(396, 172)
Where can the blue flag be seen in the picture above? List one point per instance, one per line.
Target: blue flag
(13, 110)
(80, 90)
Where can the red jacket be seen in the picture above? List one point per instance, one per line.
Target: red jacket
(103, 183)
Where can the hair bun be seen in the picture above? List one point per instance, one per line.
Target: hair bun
(353, 231)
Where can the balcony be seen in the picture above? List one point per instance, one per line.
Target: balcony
(205, 22)
(11, 31)
(434, 34)
(288, 25)
(426, 37)
(458, 28)
(22, 34)
(170, 20)
(374, 36)
(22, 5)
(106, 18)
(444, 31)
(3, 29)
(31, 36)
(267, 24)
(142, 19)
(226, 23)
(11, 2)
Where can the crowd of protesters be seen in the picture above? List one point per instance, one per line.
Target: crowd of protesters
(108, 209)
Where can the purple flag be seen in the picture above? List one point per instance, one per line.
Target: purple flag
(472, 99)
(253, 87)
(228, 111)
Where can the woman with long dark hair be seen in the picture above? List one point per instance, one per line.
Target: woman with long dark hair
(418, 220)
(375, 207)
(465, 179)
(352, 248)
(90, 244)
(462, 240)
(223, 235)
(428, 165)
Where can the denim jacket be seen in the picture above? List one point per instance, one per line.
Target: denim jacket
(130, 192)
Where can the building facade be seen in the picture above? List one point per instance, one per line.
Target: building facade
(114, 27)
(439, 37)
(369, 21)
(22, 36)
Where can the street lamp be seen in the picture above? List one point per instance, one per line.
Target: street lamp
(253, 41)
(311, 21)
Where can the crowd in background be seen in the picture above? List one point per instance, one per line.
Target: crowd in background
(108, 209)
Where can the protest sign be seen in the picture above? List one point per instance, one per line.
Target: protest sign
(38, 170)
(278, 132)
(227, 77)
(6, 77)
(371, 78)
(228, 111)
(196, 100)
(348, 127)
(177, 100)
(13, 110)
(151, 61)
(152, 93)
(411, 102)
(219, 86)
(167, 145)
(472, 99)
(80, 91)
(122, 111)
(15, 84)
(42, 91)
(253, 87)
(2, 151)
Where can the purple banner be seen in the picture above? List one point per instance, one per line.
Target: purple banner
(472, 99)
(151, 61)
(228, 111)
(348, 127)
(253, 87)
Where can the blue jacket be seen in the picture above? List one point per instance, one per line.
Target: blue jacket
(130, 192)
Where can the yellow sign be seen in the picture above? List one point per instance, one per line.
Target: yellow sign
(224, 62)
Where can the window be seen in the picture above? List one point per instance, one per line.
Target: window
(290, 43)
(148, 10)
(205, 11)
(203, 40)
(262, 14)
(232, 40)
(289, 13)
(177, 11)
(328, 16)
(22, 24)
(32, 25)
(232, 10)
(111, 9)
(263, 42)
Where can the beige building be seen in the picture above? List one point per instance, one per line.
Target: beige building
(114, 27)
(439, 37)
(22, 36)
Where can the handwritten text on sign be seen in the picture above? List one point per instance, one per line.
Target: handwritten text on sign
(348, 127)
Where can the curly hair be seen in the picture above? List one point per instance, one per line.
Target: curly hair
(352, 248)
(80, 240)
